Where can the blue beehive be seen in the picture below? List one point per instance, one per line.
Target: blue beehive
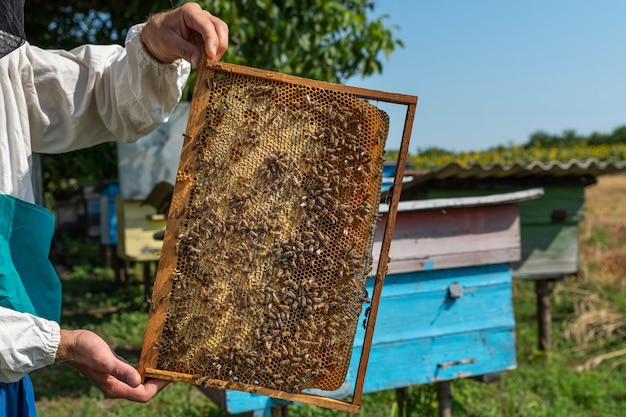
(108, 219)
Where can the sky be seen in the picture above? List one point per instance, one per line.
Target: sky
(490, 73)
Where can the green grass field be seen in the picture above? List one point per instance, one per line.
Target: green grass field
(584, 376)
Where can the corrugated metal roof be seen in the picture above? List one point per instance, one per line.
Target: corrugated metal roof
(574, 168)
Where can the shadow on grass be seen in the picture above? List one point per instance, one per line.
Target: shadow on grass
(90, 297)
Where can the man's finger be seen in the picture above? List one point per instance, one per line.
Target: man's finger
(213, 30)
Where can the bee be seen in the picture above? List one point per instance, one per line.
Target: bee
(211, 83)
(151, 304)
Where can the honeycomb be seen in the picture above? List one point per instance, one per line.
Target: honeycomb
(270, 231)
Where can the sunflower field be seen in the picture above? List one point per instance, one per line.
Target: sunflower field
(541, 147)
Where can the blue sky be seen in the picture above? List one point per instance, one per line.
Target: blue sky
(491, 73)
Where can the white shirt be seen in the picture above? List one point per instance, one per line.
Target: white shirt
(59, 101)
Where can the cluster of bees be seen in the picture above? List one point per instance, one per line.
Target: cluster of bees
(273, 244)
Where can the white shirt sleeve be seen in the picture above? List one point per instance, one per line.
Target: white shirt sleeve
(26, 343)
(99, 93)
(67, 100)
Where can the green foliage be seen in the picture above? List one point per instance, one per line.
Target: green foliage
(65, 174)
(540, 147)
(329, 40)
(545, 140)
(571, 138)
(318, 39)
(72, 23)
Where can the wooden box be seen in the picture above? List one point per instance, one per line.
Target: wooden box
(548, 227)
(549, 231)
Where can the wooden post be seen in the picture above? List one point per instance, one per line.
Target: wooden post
(444, 397)
(403, 399)
(147, 278)
(544, 315)
(280, 411)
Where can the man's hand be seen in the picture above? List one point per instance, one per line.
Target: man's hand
(183, 33)
(93, 357)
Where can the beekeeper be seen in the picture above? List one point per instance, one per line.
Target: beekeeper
(58, 101)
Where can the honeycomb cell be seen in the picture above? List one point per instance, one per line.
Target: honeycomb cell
(274, 234)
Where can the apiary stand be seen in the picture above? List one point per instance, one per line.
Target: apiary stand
(162, 292)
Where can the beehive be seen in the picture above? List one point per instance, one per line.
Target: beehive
(261, 281)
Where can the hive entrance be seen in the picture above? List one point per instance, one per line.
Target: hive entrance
(261, 281)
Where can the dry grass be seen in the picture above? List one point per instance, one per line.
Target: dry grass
(593, 320)
(603, 232)
(596, 318)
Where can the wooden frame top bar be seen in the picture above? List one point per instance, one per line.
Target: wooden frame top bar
(364, 93)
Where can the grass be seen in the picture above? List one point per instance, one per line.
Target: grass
(584, 376)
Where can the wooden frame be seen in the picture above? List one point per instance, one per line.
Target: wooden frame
(147, 365)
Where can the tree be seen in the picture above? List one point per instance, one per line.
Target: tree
(74, 22)
(328, 40)
(320, 39)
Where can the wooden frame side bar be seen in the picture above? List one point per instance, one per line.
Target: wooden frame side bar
(384, 253)
(162, 283)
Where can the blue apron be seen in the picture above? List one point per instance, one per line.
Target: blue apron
(28, 282)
